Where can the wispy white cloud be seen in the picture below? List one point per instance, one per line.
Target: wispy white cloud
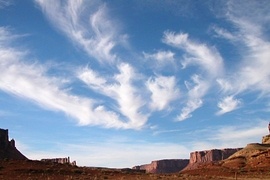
(191, 106)
(196, 90)
(160, 56)
(30, 81)
(206, 57)
(225, 85)
(252, 73)
(92, 78)
(96, 36)
(223, 33)
(239, 135)
(165, 131)
(163, 91)
(228, 104)
(120, 88)
(4, 3)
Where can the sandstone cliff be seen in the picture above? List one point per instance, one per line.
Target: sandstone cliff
(164, 166)
(266, 139)
(209, 156)
(7, 148)
(254, 155)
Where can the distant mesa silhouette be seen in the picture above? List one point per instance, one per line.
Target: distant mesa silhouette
(65, 160)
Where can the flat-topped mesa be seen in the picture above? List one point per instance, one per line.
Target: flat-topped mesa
(60, 160)
(7, 148)
(266, 139)
(209, 156)
(164, 166)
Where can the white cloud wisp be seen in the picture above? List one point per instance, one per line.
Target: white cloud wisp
(228, 104)
(196, 91)
(163, 91)
(30, 81)
(252, 74)
(97, 37)
(160, 56)
(121, 89)
(206, 58)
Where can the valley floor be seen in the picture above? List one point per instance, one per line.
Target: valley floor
(37, 170)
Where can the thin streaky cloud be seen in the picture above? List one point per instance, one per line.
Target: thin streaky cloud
(30, 81)
(203, 56)
(160, 56)
(4, 3)
(223, 33)
(244, 132)
(198, 54)
(196, 90)
(97, 37)
(253, 73)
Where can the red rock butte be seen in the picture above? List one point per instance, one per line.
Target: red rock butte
(8, 149)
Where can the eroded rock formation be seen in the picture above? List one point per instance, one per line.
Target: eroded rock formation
(7, 148)
(209, 156)
(60, 160)
(254, 155)
(266, 139)
(164, 166)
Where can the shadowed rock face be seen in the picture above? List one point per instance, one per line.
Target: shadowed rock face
(164, 166)
(7, 148)
(209, 156)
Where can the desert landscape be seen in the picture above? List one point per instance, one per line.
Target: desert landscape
(134, 89)
(251, 162)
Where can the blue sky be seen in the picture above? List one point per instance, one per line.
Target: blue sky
(122, 83)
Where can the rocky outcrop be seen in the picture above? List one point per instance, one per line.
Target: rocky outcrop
(254, 155)
(266, 139)
(60, 160)
(7, 148)
(164, 166)
(209, 156)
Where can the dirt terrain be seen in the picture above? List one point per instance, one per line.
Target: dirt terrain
(38, 170)
(252, 162)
